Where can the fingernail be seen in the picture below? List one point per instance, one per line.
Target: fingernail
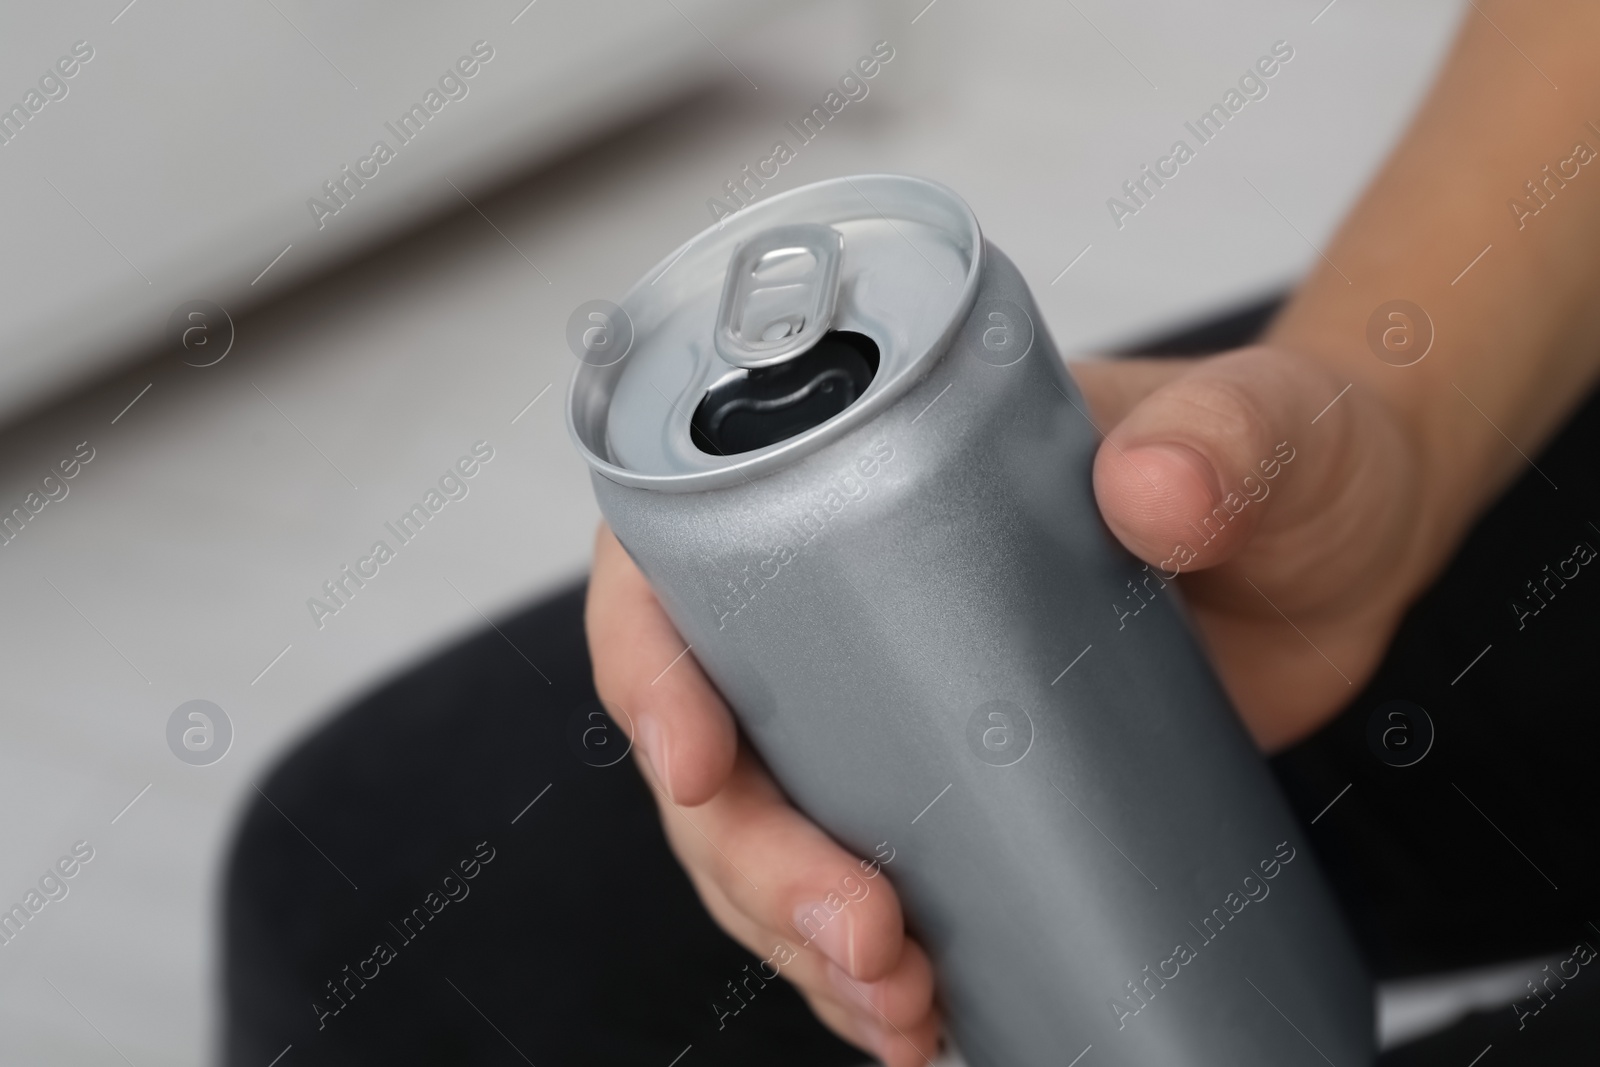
(828, 930)
(1166, 456)
(654, 745)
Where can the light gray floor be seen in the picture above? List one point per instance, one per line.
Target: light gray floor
(180, 563)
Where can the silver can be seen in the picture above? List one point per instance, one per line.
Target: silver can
(834, 435)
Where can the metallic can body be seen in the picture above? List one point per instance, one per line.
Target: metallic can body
(1094, 855)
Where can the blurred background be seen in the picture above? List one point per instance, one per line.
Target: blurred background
(342, 360)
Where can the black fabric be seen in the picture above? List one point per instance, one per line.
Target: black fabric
(578, 940)
(1563, 1032)
(1487, 848)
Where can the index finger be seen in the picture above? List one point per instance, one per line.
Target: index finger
(642, 666)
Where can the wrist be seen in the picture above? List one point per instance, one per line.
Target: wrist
(1506, 332)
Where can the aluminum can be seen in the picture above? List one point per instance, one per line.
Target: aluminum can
(835, 436)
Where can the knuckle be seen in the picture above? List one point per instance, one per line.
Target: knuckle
(1224, 405)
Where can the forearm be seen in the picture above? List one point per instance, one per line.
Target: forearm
(1517, 336)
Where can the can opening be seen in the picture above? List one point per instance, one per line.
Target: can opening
(766, 405)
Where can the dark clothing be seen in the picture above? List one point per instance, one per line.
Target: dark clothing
(487, 931)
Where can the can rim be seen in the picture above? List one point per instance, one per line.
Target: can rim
(767, 461)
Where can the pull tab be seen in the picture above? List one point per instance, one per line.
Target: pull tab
(779, 295)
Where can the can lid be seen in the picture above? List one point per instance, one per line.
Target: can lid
(894, 259)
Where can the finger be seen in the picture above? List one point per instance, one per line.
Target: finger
(895, 1045)
(902, 998)
(892, 1017)
(787, 877)
(641, 666)
(1114, 386)
(895, 1017)
(1177, 477)
(863, 1012)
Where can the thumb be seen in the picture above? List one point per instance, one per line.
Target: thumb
(1178, 478)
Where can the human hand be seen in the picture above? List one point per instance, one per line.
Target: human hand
(1298, 515)
(732, 829)
(1333, 540)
